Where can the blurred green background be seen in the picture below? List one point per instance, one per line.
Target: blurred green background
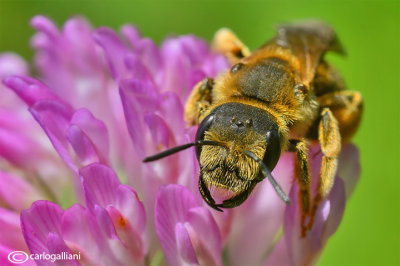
(370, 32)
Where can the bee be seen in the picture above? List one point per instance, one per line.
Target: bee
(281, 97)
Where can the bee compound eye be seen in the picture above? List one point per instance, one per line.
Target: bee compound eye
(235, 68)
(273, 150)
(203, 127)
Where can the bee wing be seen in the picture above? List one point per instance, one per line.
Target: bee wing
(308, 41)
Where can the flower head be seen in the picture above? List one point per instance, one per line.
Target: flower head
(105, 101)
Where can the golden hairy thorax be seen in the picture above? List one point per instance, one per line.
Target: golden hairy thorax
(266, 80)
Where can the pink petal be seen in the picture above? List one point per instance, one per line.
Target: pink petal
(77, 35)
(127, 234)
(215, 64)
(128, 203)
(115, 51)
(198, 231)
(16, 192)
(150, 55)
(83, 235)
(337, 201)
(175, 67)
(42, 218)
(172, 203)
(161, 135)
(171, 109)
(279, 255)
(45, 25)
(194, 76)
(137, 98)
(257, 221)
(349, 167)
(10, 231)
(137, 69)
(131, 33)
(31, 90)
(82, 145)
(184, 245)
(205, 236)
(54, 118)
(57, 246)
(105, 223)
(12, 64)
(94, 128)
(194, 48)
(327, 219)
(78, 232)
(100, 184)
(18, 148)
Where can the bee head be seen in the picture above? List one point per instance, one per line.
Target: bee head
(237, 146)
(250, 148)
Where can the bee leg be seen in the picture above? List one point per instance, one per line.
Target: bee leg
(199, 100)
(227, 43)
(330, 141)
(303, 179)
(346, 107)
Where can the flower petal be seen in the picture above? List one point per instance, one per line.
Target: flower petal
(175, 67)
(205, 236)
(194, 49)
(31, 90)
(131, 33)
(16, 146)
(257, 221)
(16, 192)
(37, 222)
(12, 64)
(305, 250)
(172, 203)
(150, 55)
(10, 231)
(115, 51)
(54, 118)
(94, 128)
(161, 136)
(137, 99)
(137, 69)
(57, 245)
(82, 145)
(129, 204)
(171, 109)
(43, 24)
(349, 167)
(85, 56)
(214, 64)
(100, 184)
(198, 231)
(184, 245)
(83, 235)
(79, 234)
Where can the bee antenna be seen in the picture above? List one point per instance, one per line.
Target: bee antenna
(180, 148)
(267, 173)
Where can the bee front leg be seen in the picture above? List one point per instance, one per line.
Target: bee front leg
(303, 179)
(227, 43)
(330, 141)
(199, 100)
